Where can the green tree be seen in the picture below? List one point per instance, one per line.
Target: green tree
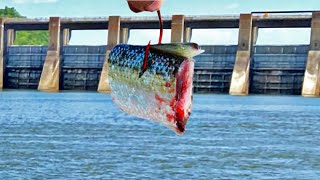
(25, 37)
(9, 12)
(31, 38)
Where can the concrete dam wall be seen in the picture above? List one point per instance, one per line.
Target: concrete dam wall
(273, 69)
(241, 69)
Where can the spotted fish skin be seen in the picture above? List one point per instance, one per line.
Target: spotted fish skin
(163, 92)
(127, 56)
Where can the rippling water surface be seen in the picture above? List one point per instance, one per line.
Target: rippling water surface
(85, 136)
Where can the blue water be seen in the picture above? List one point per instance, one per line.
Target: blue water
(85, 136)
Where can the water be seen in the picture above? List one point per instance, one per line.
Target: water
(84, 136)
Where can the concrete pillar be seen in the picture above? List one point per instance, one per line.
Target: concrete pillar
(1, 52)
(177, 28)
(255, 32)
(187, 35)
(66, 35)
(50, 75)
(113, 40)
(240, 75)
(311, 82)
(124, 35)
(11, 36)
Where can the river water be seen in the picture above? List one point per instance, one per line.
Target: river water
(84, 136)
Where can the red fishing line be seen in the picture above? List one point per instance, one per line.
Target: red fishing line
(145, 61)
(161, 27)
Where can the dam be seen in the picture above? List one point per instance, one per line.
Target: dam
(242, 69)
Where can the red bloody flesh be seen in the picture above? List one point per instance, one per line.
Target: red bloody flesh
(182, 101)
(159, 99)
(183, 97)
(167, 84)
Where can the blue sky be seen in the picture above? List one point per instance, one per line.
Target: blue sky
(101, 8)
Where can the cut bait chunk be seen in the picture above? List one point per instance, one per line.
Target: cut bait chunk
(163, 92)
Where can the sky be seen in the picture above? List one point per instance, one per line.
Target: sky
(104, 8)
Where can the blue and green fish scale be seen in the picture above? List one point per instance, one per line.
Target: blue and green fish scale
(131, 57)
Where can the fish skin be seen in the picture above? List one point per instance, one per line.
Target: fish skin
(163, 92)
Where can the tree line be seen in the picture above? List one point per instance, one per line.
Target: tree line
(25, 37)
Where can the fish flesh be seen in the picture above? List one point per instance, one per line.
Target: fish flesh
(159, 89)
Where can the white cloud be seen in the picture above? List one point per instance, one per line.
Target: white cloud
(233, 6)
(33, 1)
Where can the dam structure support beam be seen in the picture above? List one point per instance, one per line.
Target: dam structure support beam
(240, 75)
(11, 37)
(113, 40)
(255, 32)
(124, 35)
(50, 75)
(66, 35)
(177, 29)
(2, 64)
(187, 34)
(311, 82)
